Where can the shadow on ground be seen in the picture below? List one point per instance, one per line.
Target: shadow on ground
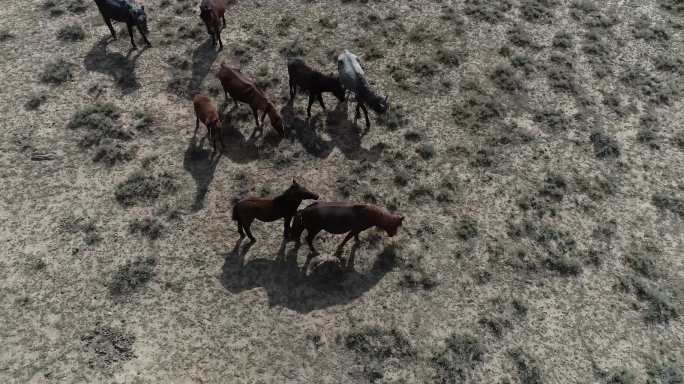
(121, 68)
(344, 134)
(202, 59)
(288, 286)
(200, 164)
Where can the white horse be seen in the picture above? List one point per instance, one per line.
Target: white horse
(353, 80)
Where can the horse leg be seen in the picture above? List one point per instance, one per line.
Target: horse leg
(223, 17)
(196, 127)
(320, 100)
(247, 226)
(220, 135)
(109, 24)
(308, 109)
(240, 231)
(347, 238)
(310, 238)
(358, 113)
(263, 116)
(144, 37)
(130, 33)
(286, 231)
(256, 115)
(365, 112)
(293, 89)
(218, 34)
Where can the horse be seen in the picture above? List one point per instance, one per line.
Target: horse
(282, 206)
(242, 88)
(353, 80)
(340, 218)
(312, 81)
(127, 11)
(208, 115)
(212, 13)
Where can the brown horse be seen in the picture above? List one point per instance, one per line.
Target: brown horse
(339, 218)
(212, 13)
(283, 206)
(207, 114)
(242, 88)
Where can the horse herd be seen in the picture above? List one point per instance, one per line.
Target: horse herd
(332, 217)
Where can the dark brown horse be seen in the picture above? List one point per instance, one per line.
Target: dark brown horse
(339, 218)
(212, 13)
(242, 88)
(283, 206)
(312, 81)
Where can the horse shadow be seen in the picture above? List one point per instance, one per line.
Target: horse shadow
(202, 59)
(344, 134)
(202, 166)
(238, 148)
(119, 67)
(288, 286)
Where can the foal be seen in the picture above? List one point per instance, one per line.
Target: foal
(212, 13)
(207, 114)
(339, 218)
(242, 88)
(283, 206)
(313, 82)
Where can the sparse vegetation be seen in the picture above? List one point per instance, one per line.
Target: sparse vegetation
(673, 204)
(71, 32)
(537, 11)
(131, 277)
(141, 188)
(532, 146)
(491, 12)
(605, 147)
(110, 152)
(5, 35)
(108, 346)
(623, 376)
(56, 72)
(461, 354)
(467, 229)
(660, 306)
(505, 78)
(527, 367)
(34, 102)
(147, 226)
(477, 111)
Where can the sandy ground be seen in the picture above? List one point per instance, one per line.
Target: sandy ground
(535, 148)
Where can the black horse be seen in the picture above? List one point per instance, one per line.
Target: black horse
(126, 11)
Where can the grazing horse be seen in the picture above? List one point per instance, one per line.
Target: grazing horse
(207, 114)
(212, 13)
(353, 80)
(313, 82)
(282, 206)
(127, 11)
(242, 88)
(339, 218)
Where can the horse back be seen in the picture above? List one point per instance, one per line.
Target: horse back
(216, 6)
(118, 10)
(256, 207)
(334, 217)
